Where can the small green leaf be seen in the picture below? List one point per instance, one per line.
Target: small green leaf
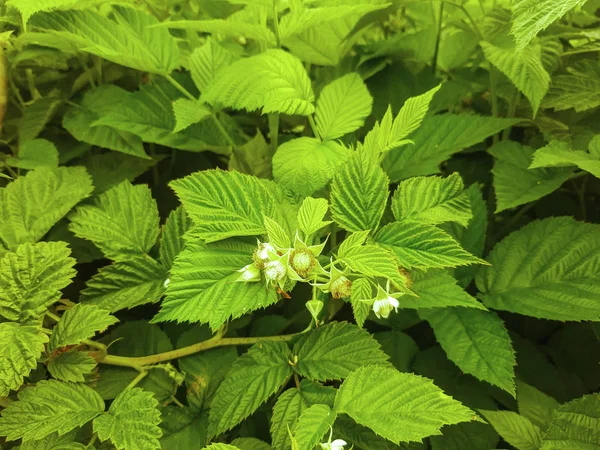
(48, 407)
(131, 421)
(171, 237)
(351, 242)
(399, 406)
(207, 61)
(361, 290)
(286, 411)
(122, 222)
(78, 323)
(311, 214)
(72, 366)
(277, 235)
(558, 154)
(188, 112)
(54, 442)
(247, 443)
(579, 89)
(437, 289)
(251, 381)
(517, 430)
(35, 153)
(334, 350)
(312, 425)
(432, 200)
(21, 346)
(342, 107)
(374, 261)
(359, 193)
(535, 405)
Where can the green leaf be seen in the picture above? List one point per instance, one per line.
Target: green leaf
(477, 342)
(311, 214)
(188, 112)
(305, 165)
(72, 366)
(122, 222)
(351, 242)
(219, 446)
(254, 377)
(109, 169)
(342, 107)
(28, 8)
(400, 347)
(515, 184)
(423, 246)
(312, 425)
(50, 406)
(398, 406)
(532, 16)
(254, 157)
(277, 235)
(547, 269)
(576, 425)
(374, 261)
(524, 68)
(286, 411)
(361, 290)
(21, 346)
(517, 430)
(207, 62)
(131, 421)
(126, 284)
(558, 154)
(466, 436)
(535, 405)
(432, 200)
(171, 238)
(148, 113)
(579, 89)
(273, 81)
(437, 289)
(81, 120)
(78, 323)
(37, 114)
(182, 428)
(128, 38)
(359, 193)
(205, 292)
(54, 442)
(437, 139)
(224, 204)
(35, 153)
(233, 27)
(31, 279)
(333, 351)
(34, 203)
(388, 135)
(246, 443)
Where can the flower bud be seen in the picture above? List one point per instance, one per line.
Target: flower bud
(250, 273)
(314, 307)
(274, 270)
(302, 262)
(340, 287)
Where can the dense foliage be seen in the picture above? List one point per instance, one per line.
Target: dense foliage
(300, 224)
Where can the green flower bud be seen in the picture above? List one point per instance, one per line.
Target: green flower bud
(340, 287)
(302, 262)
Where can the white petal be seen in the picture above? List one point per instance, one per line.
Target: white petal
(393, 302)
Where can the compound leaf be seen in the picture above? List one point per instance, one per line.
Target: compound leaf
(48, 407)
(131, 421)
(333, 351)
(359, 193)
(254, 377)
(342, 107)
(21, 346)
(547, 269)
(432, 200)
(477, 342)
(122, 222)
(398, 406)
(273, 81)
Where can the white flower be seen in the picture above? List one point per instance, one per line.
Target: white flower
(275, 270)
(264, 248)
(250, 273)
(383, 306)
(338, 444)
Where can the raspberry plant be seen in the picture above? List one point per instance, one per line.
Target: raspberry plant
(300, 224)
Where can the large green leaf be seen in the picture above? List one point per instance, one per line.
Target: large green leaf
(171, 238)
(182, 427)
(111, 168)
(28, 8)
(432, 200)
(35, 153)
(286, 411)
(312, 425)
(423, 246)
(306, 165)
(233, 26)
(437, 139)
(576, 425)
(32, 204)
(399, 406)
(536, 405)
(131, 421)
(126, 284)
(359, 193)
(54, 442)
(517, 430)
(477, 342)
(31, 279)
(437, 289)
(558, 154)
(579, 89)
(50, 406)
(128, 37)
(342, 107)
(252, 380)
(203, 285)
(532, 16)
(546, 269)
(466, 436)
(122, 222)
(188, 112)
(334, 350)
(78, 323)
(207, 62)
(524, 69)
(273, 81)
(21, 346)
(515, 184)
(224, 204)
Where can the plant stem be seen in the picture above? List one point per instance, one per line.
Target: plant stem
(512, 107)
(136, 380)
(438, 38)
(274, 131)
(313, 126)
(180, 88)
(276, 25)
(222, 130)
(155, 173)
(140, 362)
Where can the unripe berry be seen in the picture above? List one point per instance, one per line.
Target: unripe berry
(341, 287)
